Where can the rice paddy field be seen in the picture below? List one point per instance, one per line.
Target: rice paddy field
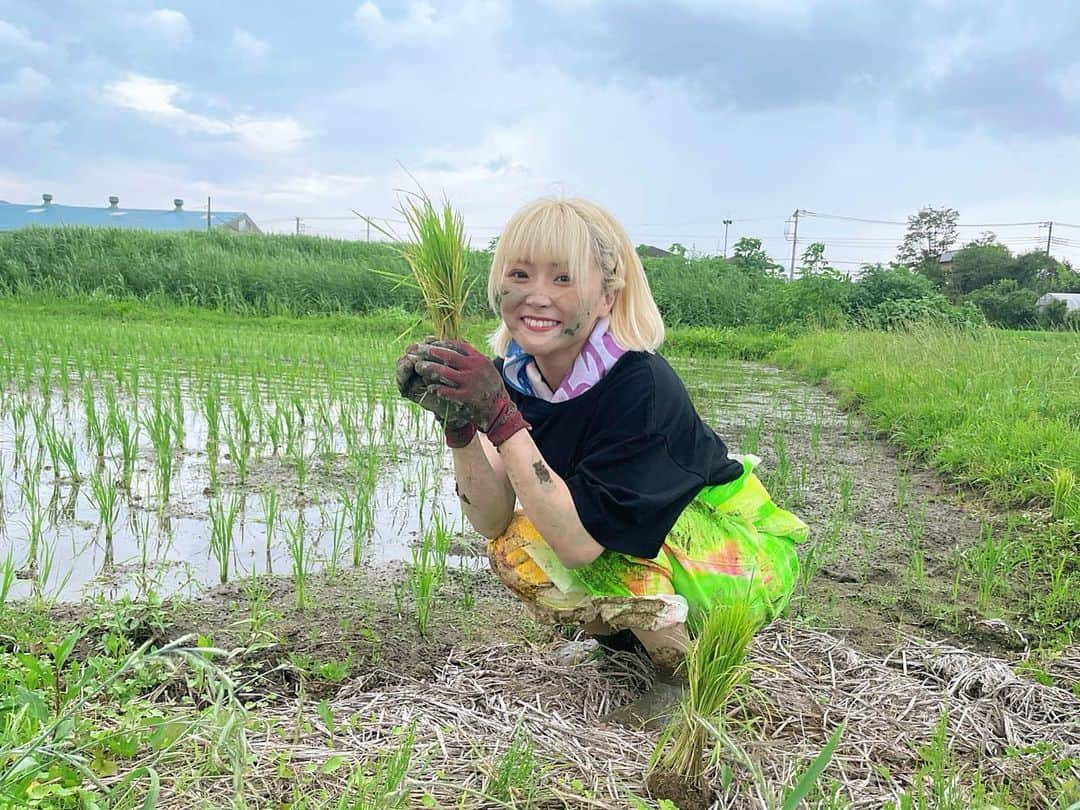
(234, 573)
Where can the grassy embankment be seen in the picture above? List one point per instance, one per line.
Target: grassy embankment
(996, 411)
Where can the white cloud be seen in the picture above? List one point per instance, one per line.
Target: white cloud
(15, 41)
(254, 51)
(155, 98)
(25, 85)
(169, 26)
(269, 134)
(418, 23)
(423, 23)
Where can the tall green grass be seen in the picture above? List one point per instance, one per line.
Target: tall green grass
(260, 275)
(996, 409)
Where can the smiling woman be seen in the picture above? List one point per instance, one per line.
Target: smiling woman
(633, 516)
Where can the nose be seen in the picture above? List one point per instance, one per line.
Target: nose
(538, 295)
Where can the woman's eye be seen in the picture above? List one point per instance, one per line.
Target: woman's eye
(562, 278)
(516, 273)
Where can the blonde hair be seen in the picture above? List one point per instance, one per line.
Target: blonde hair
(580, 235)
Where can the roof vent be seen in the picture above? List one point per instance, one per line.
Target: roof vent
(47, 199)
(179, 204)
(113, 202)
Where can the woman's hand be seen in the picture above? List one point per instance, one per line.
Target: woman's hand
(458, 373)
(458, 428)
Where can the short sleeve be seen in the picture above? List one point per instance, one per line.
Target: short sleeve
(628, 494)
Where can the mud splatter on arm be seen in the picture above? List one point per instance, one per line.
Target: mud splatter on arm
(542, 473)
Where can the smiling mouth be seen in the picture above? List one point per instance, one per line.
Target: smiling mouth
(539, 323)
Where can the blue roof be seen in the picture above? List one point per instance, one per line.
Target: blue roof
(14, 216)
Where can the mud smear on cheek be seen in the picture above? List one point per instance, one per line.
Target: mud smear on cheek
(570, 331)
(541, 472)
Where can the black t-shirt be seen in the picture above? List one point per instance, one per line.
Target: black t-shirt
(632, 451)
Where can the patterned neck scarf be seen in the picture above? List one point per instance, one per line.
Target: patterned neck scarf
(594, 360)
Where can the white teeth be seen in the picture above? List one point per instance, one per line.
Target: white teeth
(538, 322)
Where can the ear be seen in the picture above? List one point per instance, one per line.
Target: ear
(606, 302)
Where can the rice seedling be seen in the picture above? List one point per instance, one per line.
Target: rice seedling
(337, 537)
(903, 486)
(778, 479)
(95, 427)
(465, 577)
(437, 256)
(127, 434)
(160, 431)
(7, 577)
(239, 450)
(103, 495)
(35, 521)
(274, 428)
(211, 406)
(715, 668)
(176, 415)
(270, 501)
(301, 462)
(222, 526)
(300, 555)
(428, 570)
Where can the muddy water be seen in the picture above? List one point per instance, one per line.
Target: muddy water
(164, 546)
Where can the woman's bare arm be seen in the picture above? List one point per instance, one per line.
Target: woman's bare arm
(547, 501)
(487, 498)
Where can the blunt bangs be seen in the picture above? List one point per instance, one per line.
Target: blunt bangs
(544, 232)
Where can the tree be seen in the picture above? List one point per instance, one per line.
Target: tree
(1005, 303)
(749, 256)
(813, 261)
(929, 233)
(984, 239)
(976, 266)
(678, 249)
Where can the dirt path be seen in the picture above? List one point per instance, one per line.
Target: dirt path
(888, 536)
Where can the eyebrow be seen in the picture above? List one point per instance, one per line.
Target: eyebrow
(531, 264)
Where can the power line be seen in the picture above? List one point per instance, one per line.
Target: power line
(905, 223)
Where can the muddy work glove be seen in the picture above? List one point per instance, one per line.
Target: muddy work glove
(458, 429)
(458, 373)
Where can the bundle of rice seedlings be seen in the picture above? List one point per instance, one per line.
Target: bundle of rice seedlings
(715, 667)
(437, 255)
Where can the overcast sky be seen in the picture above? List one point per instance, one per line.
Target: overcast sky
(674, 115)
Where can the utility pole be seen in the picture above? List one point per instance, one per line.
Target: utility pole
(1049, 233)
(794, 242)
(368, 229)
(726, 223)
(208, 215)
(298, 226)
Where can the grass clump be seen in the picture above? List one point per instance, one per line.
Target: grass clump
(438, 258)
(715, 667)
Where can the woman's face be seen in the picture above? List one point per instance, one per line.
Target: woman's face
(546, 313)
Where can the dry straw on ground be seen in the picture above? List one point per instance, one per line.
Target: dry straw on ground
(805, 683)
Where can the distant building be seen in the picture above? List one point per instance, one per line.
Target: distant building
(946, 258)
(1072, 300)
(655, 252)
(14, 216)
